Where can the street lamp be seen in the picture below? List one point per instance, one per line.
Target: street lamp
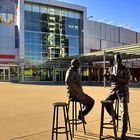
(89, 17)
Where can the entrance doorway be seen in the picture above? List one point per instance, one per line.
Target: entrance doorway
(4, 74)
(60, 74)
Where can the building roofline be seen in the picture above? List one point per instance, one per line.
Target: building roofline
(60, 4)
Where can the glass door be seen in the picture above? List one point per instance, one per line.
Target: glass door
(5, 74)
(60, 74)
(1, 74)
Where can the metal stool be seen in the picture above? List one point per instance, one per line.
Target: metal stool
(117, 107)
(106, 125)
(74, 120)
(55, 127)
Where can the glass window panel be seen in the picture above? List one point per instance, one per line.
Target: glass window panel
(73, 51)
(57, 40)
(35, 17)
(44, 55)
(65, 28)
(65, 13)
(70, 41)
(76, 42)
(45, 40)
(51, 10)
(77, 15)
(57, 21)
(44, 48)
(36, 26)
(37, 48)
(37, 38)
(36, 56)
(71, 26)
(43, 9)
(28, 25)
(28, 20)
(35, 8)
(28, 6)
(28, 54)
(71, 22)
(76, 23)
(27, 16)
(28, 47)
(71, 14)
(44, 17)
(64, 41)
(58, 12)
(51, 39)
(71, 31)
(77, 27)
(28, 37)
(44, 26)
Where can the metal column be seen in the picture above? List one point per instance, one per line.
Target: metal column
(104, 67)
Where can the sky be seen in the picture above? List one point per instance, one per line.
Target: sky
(124, 13)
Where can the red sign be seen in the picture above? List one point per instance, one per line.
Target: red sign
(94, 50)
(7, 56)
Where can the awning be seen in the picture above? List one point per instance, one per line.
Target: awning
(128, 52)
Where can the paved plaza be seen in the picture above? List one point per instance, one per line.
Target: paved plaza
(26, 112)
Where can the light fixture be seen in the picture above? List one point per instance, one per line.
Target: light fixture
(89, 17)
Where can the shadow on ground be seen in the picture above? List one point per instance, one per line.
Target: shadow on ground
(133, 138)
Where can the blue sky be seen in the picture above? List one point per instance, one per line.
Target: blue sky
(116, 12)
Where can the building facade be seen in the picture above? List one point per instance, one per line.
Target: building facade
(36, 34)
(99, 36)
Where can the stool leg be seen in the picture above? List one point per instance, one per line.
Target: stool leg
(53, 123)
(114, 125)
(56, 122)
(75, 116)
(73, 119)
(83, 122)
(101, 123)
(68, 122)
(65, 118)
(117, 112)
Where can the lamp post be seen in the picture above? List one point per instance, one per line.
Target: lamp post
(104, 67)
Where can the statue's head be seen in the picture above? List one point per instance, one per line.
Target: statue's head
(117, 59)
(75, 63)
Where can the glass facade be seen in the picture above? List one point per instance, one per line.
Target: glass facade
(50, 33)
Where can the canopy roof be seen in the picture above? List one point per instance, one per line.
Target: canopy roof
(128, 52)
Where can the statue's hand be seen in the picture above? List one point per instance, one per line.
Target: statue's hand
(113, 78)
